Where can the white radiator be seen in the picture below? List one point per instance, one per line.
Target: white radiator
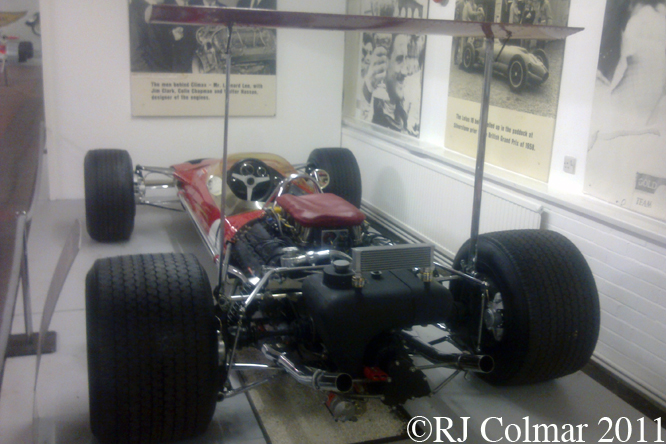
(428, 202)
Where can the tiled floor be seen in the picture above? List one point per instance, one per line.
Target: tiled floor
(62, 404)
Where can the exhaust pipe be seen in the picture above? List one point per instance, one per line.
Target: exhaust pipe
(317, 379)
(460, 361)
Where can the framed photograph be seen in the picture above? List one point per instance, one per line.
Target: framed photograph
(525, 87)
(626, 159)
(180, 70)
(390, 75)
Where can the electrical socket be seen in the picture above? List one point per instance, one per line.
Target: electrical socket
(569, 164)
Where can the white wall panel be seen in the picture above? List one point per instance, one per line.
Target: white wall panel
(434, 201)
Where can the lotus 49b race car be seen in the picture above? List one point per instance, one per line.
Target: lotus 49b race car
(307, 281)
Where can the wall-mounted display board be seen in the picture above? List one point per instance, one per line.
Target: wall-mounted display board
(180, 70)
(525, 87)
(389, 79)
(626, 160)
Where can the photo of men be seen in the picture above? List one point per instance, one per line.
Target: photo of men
(626, 160)
(391, 70)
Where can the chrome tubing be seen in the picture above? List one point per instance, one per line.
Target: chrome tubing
(317, 379)
(225, 149)
(480, 157)
(312, 257)
(157, 170)
(270, 272)
(460, 361)
(461, 274)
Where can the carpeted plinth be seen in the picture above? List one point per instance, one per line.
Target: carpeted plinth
(289, 412)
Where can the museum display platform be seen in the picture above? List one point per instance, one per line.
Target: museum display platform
(62, 391)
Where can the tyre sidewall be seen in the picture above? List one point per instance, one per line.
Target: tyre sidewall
(152, 348)
(343, 170)
(551, 306)
(109, 195)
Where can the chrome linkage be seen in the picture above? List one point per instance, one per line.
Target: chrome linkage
(142, 186)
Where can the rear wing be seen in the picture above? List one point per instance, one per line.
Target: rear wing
(193, 15)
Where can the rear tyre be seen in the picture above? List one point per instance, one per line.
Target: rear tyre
(345, 175)
(25, 51)
(541, 55)
(152, 348)
(109, 188)
(542, 317)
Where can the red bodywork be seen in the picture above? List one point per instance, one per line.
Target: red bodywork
(192, 186)
(199, 186)
(192, 179)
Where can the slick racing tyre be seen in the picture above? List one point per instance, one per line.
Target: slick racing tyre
(25, 51)
(345, 175)
(109, 189)
(152, 348)
(541, 316)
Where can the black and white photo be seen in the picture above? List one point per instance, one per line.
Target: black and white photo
(390, 79)
(626, 161)
(525, 86)
(180, 70)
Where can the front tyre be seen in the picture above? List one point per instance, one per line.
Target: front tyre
(468, 57)
(109, 189)
(343, 170)
(541, 319)
(152, 348)
(517, 74)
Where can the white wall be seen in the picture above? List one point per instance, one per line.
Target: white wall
(626, 251)
(87, 96)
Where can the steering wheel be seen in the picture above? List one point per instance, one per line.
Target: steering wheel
(250, 179)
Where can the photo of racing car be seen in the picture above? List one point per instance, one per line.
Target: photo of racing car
(520, 66)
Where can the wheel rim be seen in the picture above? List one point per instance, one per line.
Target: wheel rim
(516, 74)
(467, 58)
(493, 316)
